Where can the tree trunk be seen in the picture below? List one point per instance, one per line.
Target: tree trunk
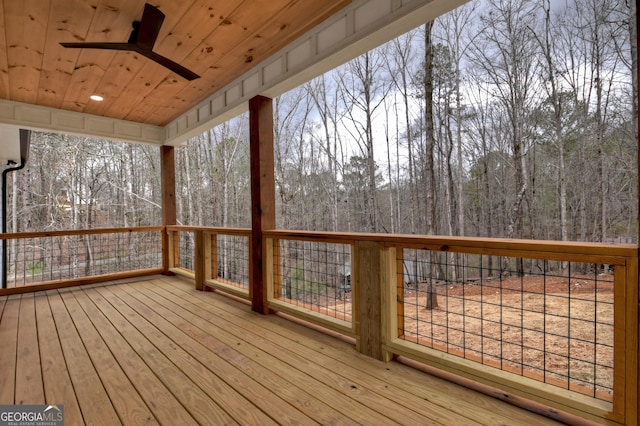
(429, 131)
(432, 298)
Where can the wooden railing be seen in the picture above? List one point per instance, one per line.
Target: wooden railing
(214, 257)
(41, 260)
(553, 322)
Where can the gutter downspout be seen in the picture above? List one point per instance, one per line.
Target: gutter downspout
(25, 139)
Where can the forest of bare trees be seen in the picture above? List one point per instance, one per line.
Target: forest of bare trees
(503, 118)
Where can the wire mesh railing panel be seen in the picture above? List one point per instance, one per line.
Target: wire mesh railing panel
(186, 250)
(314, 275)
(62, 257)
(545, 320)
(233, 260)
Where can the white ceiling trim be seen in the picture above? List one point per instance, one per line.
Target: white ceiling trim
(46, 119)
(359, 27)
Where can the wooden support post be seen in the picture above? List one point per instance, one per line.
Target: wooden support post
(199, 260)
(263, 211)
(368, 285)
(168, 182)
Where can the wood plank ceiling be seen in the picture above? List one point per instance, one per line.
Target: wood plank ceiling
(217, 39)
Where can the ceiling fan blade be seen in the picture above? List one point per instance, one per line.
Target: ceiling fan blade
(173, 66)
(150, 24)
(99, 45)
(142, 39)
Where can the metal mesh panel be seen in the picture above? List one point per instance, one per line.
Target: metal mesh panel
(187, 244)
(231, 253)
(315, 276)
(233, 260)
(34, 260)
(549, 321)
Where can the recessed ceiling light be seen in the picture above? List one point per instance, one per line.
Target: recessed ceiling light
(97, 98)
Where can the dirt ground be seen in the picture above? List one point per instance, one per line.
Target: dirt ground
(550, 329)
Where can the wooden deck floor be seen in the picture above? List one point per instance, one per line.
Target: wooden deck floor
(159, 352)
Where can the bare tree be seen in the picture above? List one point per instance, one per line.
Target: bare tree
(400, 62)
(363, 87)
(505, 53)
(324, 94)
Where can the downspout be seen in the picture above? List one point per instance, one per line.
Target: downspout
(25, 139)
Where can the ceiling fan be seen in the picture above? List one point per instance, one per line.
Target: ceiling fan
(142, 38)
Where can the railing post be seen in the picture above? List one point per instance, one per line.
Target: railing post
(169, 249)
(632, 311)
(271, 268)
(202, 260)
(370, 300)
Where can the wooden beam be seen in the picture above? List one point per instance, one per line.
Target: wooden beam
(263, 210)
(200, 259)
(168, 182)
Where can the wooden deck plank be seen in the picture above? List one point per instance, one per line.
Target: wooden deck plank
(197, 365)
(260, 385)
(442, 392)
(396, 404)
(92, 397)
(164, 406)
(201, 407)
(9, 339)
(29, 385)
(209, 336)
(358, 387)
(388, 381)
(55, 375)
(124, 397)
(160, 346)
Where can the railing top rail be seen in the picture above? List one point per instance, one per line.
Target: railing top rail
(23, 235)
(444, 243)
(212, 229)
(320, 236)
(439, 243)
